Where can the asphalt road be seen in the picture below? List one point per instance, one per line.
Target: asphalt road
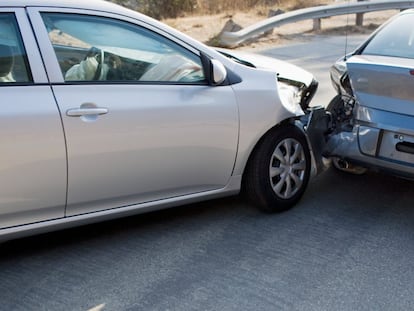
(347, 245)
(316, 54)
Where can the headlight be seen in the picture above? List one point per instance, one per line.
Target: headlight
(302, 94)
(290, 96)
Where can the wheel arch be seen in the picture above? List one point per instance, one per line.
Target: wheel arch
(286, 122)
(258, 188)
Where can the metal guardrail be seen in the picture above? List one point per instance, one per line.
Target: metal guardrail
(232, 39)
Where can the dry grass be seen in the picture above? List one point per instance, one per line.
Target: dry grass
(216, 6)
(208, 19)
(206, 27)
(178, 8)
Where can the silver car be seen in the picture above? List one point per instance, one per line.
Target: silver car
(373, 113)
(106, 113)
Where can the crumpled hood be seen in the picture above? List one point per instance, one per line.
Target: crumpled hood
(284, 69)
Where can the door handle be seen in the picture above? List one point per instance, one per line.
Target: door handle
(79, 112)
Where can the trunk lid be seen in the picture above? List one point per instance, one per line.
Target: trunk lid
(383, 82)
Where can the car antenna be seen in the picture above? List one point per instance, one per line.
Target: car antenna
(346, 32)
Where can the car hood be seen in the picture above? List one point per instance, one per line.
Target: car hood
(285, 70)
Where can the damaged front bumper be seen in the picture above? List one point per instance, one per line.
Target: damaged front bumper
(315, 124)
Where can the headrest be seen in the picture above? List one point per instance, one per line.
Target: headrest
(6, 60)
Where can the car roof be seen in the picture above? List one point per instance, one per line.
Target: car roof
(109, 7)
(96, 5)
(53, 3)
(99, 5)
(407, 11)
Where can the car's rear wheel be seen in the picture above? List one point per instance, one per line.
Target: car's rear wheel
(278, 172)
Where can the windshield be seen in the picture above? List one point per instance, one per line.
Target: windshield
(396, 39)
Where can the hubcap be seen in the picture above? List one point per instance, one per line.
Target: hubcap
(287, 168)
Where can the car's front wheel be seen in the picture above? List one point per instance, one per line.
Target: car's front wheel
(278, 172)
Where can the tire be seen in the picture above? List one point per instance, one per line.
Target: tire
(276, 178)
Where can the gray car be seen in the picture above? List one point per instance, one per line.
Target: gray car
(373, 113)
(106, 113)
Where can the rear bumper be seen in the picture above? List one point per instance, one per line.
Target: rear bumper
(379, 140)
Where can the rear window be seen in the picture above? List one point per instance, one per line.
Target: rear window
(396, 39)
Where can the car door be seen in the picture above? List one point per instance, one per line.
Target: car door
(32, 147)
(141, 123)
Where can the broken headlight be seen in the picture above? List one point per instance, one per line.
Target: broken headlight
(290, 96)
(295, 93)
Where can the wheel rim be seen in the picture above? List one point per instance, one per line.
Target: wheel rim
(287, 168)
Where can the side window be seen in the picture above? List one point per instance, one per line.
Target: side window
(92, 48)
(13, 58)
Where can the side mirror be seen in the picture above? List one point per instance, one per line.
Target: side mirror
(214, 70)
(219, 72)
